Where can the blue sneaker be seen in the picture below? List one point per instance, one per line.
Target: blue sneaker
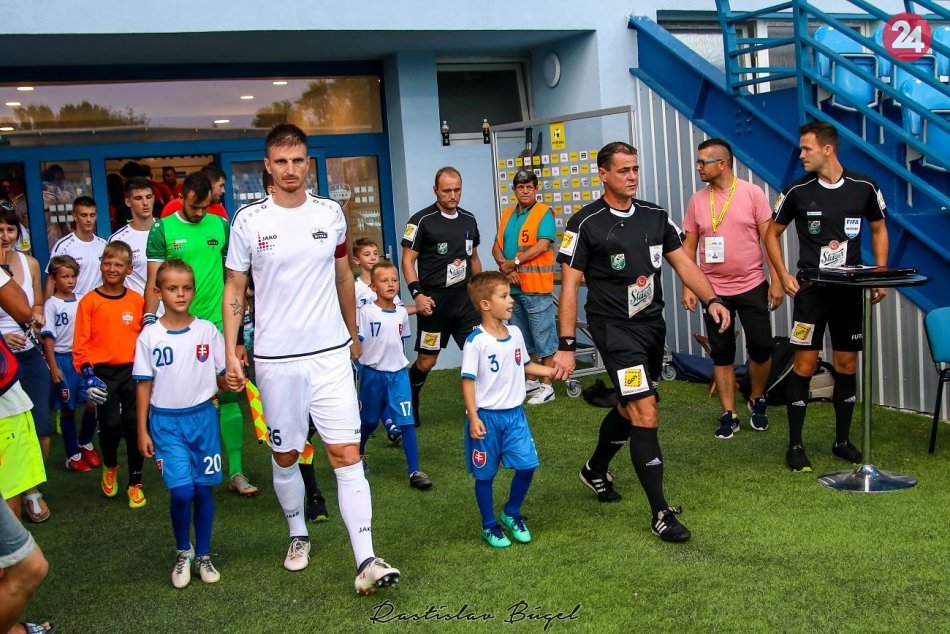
(728, 425)
(496, 537)
(760, 417)
(517, 527)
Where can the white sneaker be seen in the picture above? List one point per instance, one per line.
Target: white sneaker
(206, 569)
(298, 555)
(544, 395)
(240, 485)
(181, 573)
(531, 386)
(374, 574)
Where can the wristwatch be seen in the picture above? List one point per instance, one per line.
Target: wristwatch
(517, 261)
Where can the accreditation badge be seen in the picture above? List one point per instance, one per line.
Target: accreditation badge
(714, 248)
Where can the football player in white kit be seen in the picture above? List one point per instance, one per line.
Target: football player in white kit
(139, 198)
(305, 338)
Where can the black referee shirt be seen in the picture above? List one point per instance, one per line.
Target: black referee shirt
(829, 216)
(621, 256)
(444, 245)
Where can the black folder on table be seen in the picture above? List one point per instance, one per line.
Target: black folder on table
(857, 273)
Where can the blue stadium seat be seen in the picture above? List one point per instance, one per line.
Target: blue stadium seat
(884, 64)
(845, 81)
(836, 41)
(937, 101)
(937, 324)
(927, 64)
(941, 34)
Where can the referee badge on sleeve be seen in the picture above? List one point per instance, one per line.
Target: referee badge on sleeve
(568, 243)
(410, 232)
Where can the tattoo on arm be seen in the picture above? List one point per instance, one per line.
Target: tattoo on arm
(228, 274)
(237, 308)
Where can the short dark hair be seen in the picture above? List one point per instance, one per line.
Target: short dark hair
(9, 216)
(359, 243)
(448, 169)
(525, 176)
(130, 170)
(213, 172)
(266, 180)
(84, 201)
(606, 153)
(483, 285)
(198, 184)
(716, 142)
(172, 264)
(139, 182)
(285, 134)
(382, 264)
(824, 132)
(58, 262)
(169, 167)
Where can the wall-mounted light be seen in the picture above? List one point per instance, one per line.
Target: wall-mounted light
(25, 88)
(445, 133)
(551, 70)
(13, 104)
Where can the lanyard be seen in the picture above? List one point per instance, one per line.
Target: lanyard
(725, 205)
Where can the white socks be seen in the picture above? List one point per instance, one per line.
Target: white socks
(288, 485)
(356, 509)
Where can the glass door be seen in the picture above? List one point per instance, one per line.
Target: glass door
(354, 183)
(246, 170)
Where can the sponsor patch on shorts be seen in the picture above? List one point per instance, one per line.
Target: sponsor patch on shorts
(802, 333)
(430, 340)
(633, 380)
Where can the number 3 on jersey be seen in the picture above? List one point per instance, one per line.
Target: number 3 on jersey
(494, 363)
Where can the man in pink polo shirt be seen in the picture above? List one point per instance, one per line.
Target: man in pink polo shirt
(727, 220)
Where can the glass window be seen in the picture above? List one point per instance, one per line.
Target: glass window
(13, 189)
(63, 182)
(471, 93)
(354, 183)
(66, 113)
(247, 181)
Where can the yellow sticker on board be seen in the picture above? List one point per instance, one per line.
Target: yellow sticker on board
(558, 138)
(573, 157)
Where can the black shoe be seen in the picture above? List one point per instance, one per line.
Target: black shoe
(419, 480)
(599, 483)
(760, 417)
(394, 435)
(728, 425)
(316, 510)
(668, 528)
(797, 459)
(846, 451)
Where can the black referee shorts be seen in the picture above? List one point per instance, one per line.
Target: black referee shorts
(752, 307)
(840, 309)
(453, 316)
(632, 352)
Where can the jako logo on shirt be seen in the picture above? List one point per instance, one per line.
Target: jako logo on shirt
(201, 352)
(266, 242)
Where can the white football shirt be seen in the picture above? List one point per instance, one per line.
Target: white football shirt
(87, 254)
(292, 255)
(60, 317)
(183, 364)
(137, 240)
(382, 333)
(497, 367)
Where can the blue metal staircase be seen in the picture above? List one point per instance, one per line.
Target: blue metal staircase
(762, 128)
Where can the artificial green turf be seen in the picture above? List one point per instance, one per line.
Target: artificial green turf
(771, 550)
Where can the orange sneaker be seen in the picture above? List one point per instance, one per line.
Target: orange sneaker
(108, 481)
(136, 497)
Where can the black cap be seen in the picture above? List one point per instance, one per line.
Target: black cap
(525, 176)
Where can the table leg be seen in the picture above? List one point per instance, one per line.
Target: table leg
(867, 478)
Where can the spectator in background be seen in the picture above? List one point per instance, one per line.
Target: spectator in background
(170, 179)
(217, 178)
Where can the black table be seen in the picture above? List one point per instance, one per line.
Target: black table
(866, 478)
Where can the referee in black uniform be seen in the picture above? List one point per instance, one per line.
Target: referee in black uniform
(443, 240)
(617, 245)
(830, 206)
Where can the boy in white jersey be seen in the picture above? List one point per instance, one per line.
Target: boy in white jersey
(60, 321)
(179, 367)
(83, 245)
(383, 325)
(365, 256)
(139, 198)
(494, 363)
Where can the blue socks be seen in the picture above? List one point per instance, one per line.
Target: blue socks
(365, 430)
(88, 429)
(204, 517)
(486, 503)
(519, 489)
(410, 445)
(181, 500)
(67, 427)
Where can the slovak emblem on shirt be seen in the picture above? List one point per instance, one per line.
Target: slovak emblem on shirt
(127, 318)
(814, 227)
(618, 261)
(479, 458)
(852, 227)
(518, 356)
(201, 352)
(319, 233)
(443, 248)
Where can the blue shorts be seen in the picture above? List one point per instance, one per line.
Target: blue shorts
(74, 383)
(36, 382)
(379, 389)
(507, 439)
(187, 445)
(16, 543)
(534, 314)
